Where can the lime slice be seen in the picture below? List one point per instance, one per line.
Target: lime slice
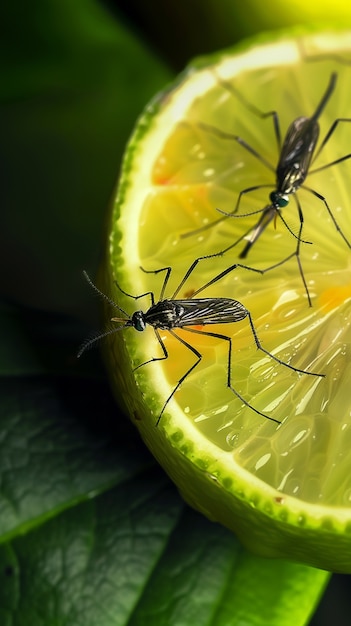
(285, 489)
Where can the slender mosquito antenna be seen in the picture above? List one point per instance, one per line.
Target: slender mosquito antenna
(127, 321)
(88, 343)
(103, 295)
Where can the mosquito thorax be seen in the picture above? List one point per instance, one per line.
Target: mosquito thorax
(278, 199)
(165, 314)
(138, 321)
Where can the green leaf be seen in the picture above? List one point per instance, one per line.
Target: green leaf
(125, 559)
(89, 564)
(93, 532)
(50, 458)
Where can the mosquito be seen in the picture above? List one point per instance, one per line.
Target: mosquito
(172, 313)
(296, 153)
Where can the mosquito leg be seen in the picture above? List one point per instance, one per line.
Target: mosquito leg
(251, 107)
(216, 278)
(258, 231)
(142, 295)
(323, 199)
(260, 347)
(329, 134)
(224, 273)
(229, 374)
(226, 214)
(299, 209)
(327, 165)
(168, 271)
(231, 137)
(181, 380)
(156, 358)
(236, 208)
(291, 231)
(241, 194)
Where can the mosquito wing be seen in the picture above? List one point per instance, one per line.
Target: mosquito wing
(296, 154)
(202, 311)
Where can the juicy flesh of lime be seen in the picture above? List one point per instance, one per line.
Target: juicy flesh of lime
(198, 171)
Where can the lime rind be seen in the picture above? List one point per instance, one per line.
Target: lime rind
(268, 520)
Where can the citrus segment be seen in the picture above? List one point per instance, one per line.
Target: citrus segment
(284, 489)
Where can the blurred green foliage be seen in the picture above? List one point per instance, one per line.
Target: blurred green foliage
(73, 83)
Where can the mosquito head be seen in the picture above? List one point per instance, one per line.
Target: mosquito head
(279, 200)
(138, 321)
